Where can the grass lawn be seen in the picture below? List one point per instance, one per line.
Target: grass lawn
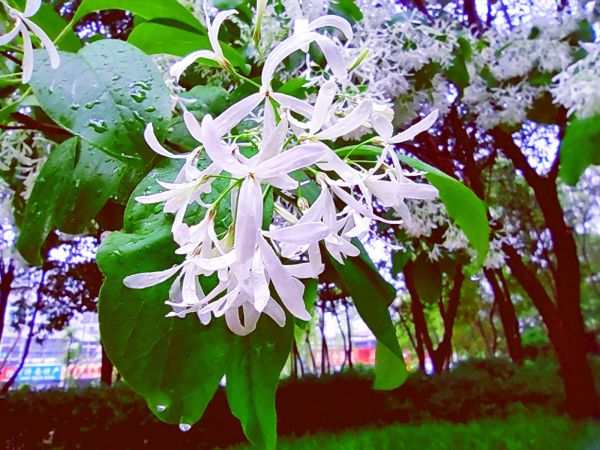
(522, 431)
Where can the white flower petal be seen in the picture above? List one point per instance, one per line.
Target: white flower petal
(8, 37)
(417, 128)
(281, 52)
(300, 233)
(382, 126)
(298, 157)
(46, 42)
(351, 122)
(275, 312)
(147, 279)
(248, 219)
(236, 113)
(332, 21)
(322, 106)
(180, 66)
(213, 31)
(333, 55)
(153, 143)
(289, 289)
(27, 56)
(32, 7)
(294, 104)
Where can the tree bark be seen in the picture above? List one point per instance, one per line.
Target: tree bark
(106, 371)
(30, 335)
(508, 317)
(563, 318)
(7, 276)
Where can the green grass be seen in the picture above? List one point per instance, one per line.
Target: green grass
(523, 431)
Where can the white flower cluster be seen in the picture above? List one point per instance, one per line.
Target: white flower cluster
(576, 88)
(291, 143)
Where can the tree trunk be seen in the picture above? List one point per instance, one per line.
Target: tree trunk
(7, 276)
(106, 372)
(30, 335)
(563, 318)
(508, 317)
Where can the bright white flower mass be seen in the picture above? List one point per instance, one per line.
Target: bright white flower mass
(259, 260)
(25, 26)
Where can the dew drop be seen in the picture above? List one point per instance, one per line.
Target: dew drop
(75, 106)
(98, 125)
(138, 96)
(476, 277)
(116, 77)
(150, 109)
(185, 427)
(161, 408)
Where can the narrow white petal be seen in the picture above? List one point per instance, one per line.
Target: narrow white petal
(303, 155)
(27, 56)
(289, 289)
(382, 126)
(281, 52)
(46, 42)
(420, 191)
(189, 291)
(332, 21)
(147, 279)
(305, 270)
(283, 182)
(213, 31)
(333, 55)
(269, 122)
(32, 7)
(323, 106)
(236, 113)
(248, 219)
(294, 104)
(6, 38)
(159, 197)
(251, 316)
(214, 264)
(417, 128)
(153, 143)
(260, 284)
(351, 122)
(273, 143)
(300, 233)
(275, 312)
(180, 66)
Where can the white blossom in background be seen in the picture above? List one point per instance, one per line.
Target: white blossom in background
(576, 88)
(260, 270)
(26, 27)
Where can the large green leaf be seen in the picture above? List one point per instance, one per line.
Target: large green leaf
(156, 38)
(53, 24)
(105, 94)
(372, 296)
(463, 206)
(149, 10)
(390, 370)
(74, 184)
(256, 361)
(580, 148)
(176, 364)
(427, 278)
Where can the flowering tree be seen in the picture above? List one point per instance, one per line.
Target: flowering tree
(234, 153)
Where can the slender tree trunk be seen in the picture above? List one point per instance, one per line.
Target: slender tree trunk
(563, 318)
(349, 328)
(508, 317)
(439, 355)
(7, 276)
(30, 335)
(106, 372)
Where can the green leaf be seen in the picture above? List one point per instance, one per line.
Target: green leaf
(347, 9)
(176, 364)
(463, 206)
(252, 376)
(52, 23)
(105, 94)
(580, 148)
(390, 371)
(372, 296)
(156, 38)
(458, 72)
(74, 184)
(427, 278)
(399, 260)
(45, 202)
(149, 10)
